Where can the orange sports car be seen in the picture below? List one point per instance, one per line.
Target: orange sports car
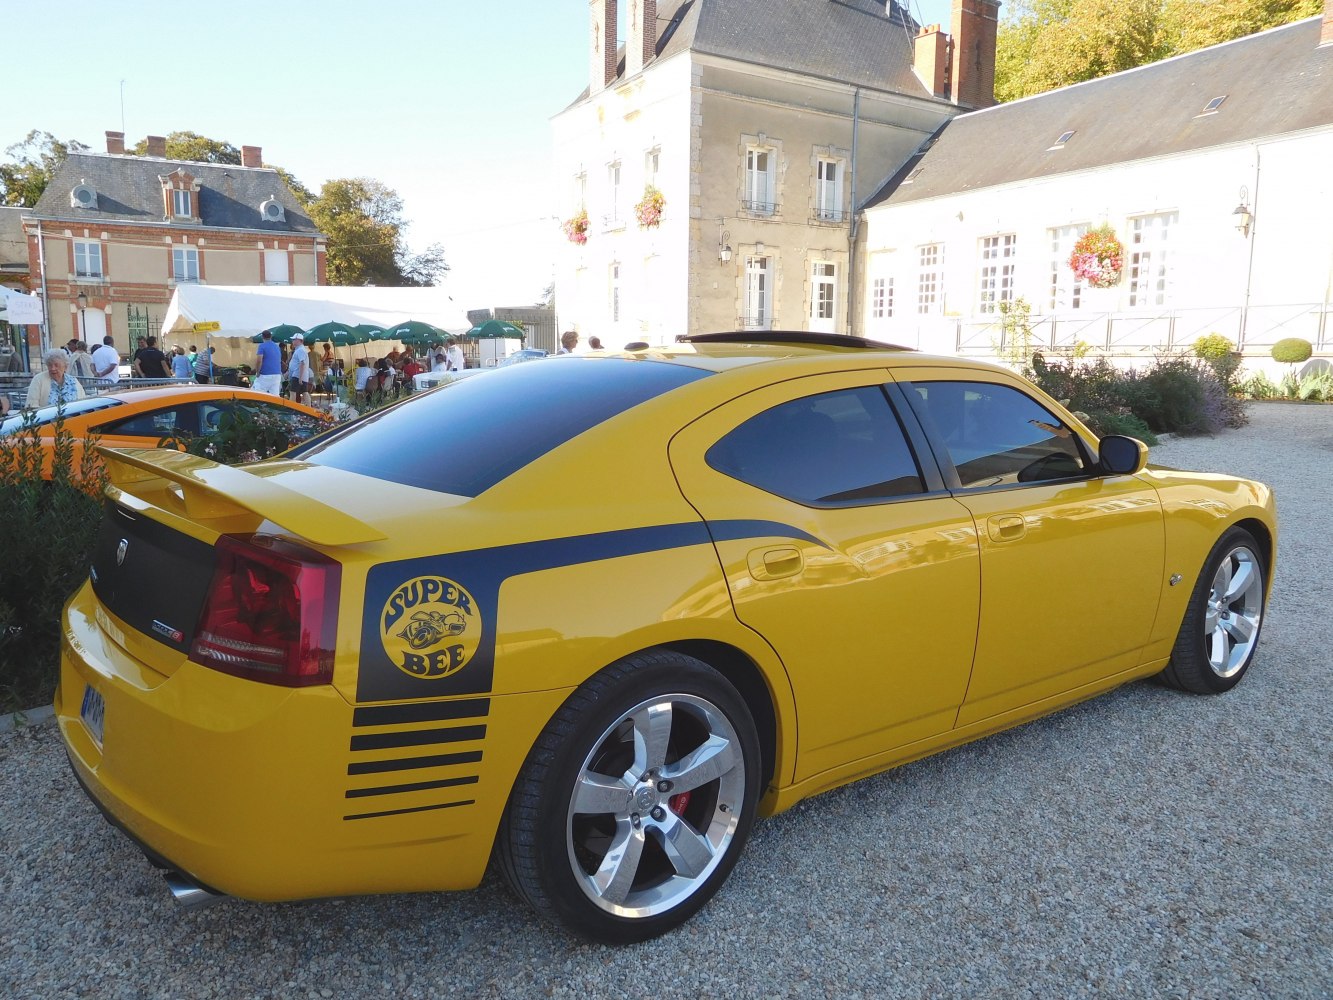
(142, 418)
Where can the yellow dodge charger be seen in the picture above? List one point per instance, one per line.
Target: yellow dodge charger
(592, 616)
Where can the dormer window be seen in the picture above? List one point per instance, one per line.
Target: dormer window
(180, 195)
(180, 204)
(272, 211)
(83, 196)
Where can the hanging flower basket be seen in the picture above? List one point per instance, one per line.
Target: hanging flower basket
(576, 229)
(649, 211)
(1098, 257)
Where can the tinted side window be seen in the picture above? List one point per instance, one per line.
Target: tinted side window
(836, 447)
(156, 423)
(996, 435)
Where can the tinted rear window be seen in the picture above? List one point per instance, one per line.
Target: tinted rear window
(469, 435)
(46, 414)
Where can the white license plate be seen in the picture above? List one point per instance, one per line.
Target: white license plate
(93, 714)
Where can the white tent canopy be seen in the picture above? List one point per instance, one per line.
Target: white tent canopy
(244, 310)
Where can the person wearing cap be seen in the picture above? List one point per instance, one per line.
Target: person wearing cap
(298, 368)
(268, 365)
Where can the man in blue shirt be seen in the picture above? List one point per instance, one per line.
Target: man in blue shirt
(268, 365)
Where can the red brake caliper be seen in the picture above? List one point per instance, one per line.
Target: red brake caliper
(679, 803)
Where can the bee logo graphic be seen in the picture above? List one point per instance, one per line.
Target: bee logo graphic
(430, 627)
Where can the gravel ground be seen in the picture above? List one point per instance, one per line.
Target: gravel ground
(1145, 844)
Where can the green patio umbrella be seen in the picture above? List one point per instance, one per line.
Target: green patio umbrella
(282, 333)
(415, 332)
(369, 331)
(337, 334)
(496, 328)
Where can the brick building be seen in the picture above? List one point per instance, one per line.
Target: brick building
(115, 233)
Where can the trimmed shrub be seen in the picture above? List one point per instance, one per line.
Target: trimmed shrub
(1292, 350)
(1212, 347)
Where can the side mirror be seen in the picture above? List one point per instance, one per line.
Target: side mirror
(1118, 455)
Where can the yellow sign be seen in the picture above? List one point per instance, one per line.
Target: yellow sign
(207, 327)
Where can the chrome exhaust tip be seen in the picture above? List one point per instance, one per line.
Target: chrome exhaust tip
(190, 895)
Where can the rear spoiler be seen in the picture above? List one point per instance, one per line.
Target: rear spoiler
(209, 490)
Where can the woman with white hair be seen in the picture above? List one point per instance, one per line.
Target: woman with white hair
(55, 386)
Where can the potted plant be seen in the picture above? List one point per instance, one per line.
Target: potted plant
(1098, 257)
(576, 229)
(649, 210)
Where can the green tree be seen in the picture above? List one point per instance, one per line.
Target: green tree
(194, 147)
(36, 159)
(1044, 44)
(363, 220)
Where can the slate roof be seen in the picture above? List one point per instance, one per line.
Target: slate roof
(128, 190)
(13, 243)
(1275, 82)
(867, 43)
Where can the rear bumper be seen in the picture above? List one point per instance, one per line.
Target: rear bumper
(249, 788)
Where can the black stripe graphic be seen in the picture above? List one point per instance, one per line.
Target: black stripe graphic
(408, 763)
(416, 809)
(418, 786)
(422, 711)
(420, 737)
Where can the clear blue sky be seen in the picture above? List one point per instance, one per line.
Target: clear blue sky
(447, 102)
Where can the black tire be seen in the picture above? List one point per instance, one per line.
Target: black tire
(1220, 633)
(549, 852)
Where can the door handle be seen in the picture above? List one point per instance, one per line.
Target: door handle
(1006, 527)
(773, 564)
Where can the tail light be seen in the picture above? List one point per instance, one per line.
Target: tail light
(271, 612)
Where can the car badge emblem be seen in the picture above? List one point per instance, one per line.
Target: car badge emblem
(121, 549)
(430, 627)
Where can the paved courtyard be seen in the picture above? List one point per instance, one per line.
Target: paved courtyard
(1145, 844)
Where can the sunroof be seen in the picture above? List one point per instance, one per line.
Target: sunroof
(1212, 105)
(1060, 142)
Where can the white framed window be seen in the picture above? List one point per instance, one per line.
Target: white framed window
(652, 162)
(180, 204)
(823, 295)
(276, 268)
(613, 193)
(1148, 258)
(184, 264)
(614, 285)
(1066, 291)
(760, 181)
(881, 298)
(579, 191)
(828, 190)
(996, 272)
(929, 279)
(87, 259)
(758, 293)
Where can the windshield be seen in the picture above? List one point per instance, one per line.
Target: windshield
(47, 414)
(465, 437)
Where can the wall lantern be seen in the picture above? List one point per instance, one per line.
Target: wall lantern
(723, 247)
(1241, 215)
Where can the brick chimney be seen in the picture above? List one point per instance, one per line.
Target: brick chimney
(930, 59)
(972, 24)
(604, 44)
(252, 156)
(642, 44)
(157, 146)
(1326, 35)
(115, 143)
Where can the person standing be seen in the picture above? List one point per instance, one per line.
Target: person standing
(152, 363)
(568, 341)
(106, 360)
(454, 356)
(268, 365)
(203, 366)
(180, 363)
(57, 385)
(140, 345)
(80, 361)
(298, 368)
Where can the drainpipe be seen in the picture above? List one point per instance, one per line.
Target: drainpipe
(1249, 269)
(46, 306)
(852, 223)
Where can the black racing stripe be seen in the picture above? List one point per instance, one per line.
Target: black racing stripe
(414, 809)
(419, 737)
(417, 786)
(408, 763)
(422, 711)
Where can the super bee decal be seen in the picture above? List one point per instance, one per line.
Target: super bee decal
(429, 627)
